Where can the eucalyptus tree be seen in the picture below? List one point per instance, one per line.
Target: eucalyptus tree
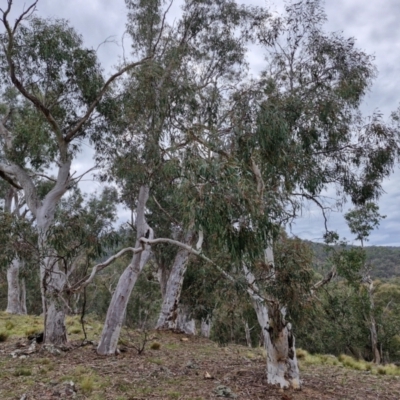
(198, 58)
(289, 136)
(62, 82)
(301, 132)
(249, 156)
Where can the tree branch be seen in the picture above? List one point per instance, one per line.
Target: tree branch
(73, 132)
(99, 267)
(13, 173)
(325, 280)
(61, 186)
(17, 83)
(9, 179)
(190, 250)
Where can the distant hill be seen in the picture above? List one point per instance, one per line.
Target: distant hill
(385, 260)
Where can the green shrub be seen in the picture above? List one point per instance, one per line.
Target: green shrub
(4, 336)
(155, 346)
(22, 372)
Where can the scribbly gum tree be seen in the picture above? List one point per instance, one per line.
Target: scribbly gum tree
(65, 99)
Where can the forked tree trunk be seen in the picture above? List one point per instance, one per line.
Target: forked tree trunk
(16, 299)
(116, 311)
(168, 317)
(279, 342)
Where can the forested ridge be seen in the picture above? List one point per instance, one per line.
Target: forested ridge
(384, 260)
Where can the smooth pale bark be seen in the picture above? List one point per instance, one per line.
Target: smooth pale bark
(55, 306)
(23, 296)
(52, 280)
(205, 327)
(185, 322)
(168, 317)
(117, 309)
(282, 365)
(279, 342)
(248, 335)
(16, 298)
(162, 274)
(371, 321)
(374, 341)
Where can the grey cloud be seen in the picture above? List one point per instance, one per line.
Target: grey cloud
(373, 23)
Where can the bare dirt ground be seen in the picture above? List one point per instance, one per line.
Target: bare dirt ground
(193, 368)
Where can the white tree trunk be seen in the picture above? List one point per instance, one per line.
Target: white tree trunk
(23, 296)
(162, 274)
(206, 325)
(372, 323)
(279, 342)
(282, 365)
(374, 341)
(185, 323)
(116, 311)
(169, 310)
(248, 334)
(52, 279)
(14, 304)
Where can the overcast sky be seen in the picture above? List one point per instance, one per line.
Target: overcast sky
(374, 24)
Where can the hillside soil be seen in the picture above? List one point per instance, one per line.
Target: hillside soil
(172, 366)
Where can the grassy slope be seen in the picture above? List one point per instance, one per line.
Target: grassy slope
(175, 370)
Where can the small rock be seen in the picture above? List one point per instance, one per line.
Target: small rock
(224, 391)
(14, 354)
(31, 348)
(52, 349)
(184, 339)
(191, 365)
(70, 389)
